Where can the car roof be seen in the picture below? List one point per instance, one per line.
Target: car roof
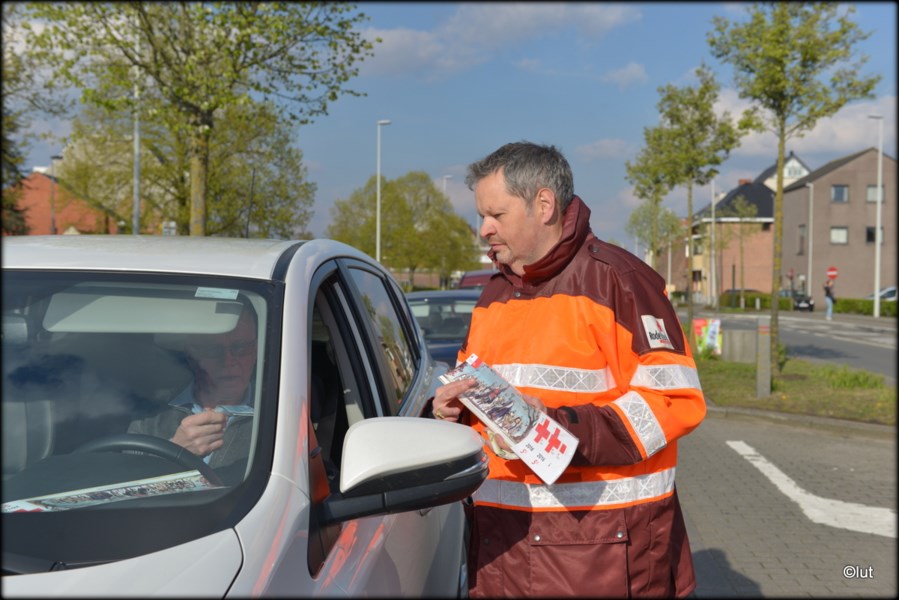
(237, 257)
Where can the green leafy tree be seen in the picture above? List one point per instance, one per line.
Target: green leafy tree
(192, 60)
(689, 143)
(353, 218)
(13, 216)
(797, 62)
(24, 94)
(651, 183)
(257, 179)
(420, 230)
(656, 226)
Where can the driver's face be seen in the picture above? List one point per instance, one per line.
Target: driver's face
(225, 363)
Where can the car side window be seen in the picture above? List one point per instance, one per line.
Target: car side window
(390, 328)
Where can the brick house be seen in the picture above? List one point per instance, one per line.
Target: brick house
(830, 221)
(744, 244)
(50, 209)
(841, 233)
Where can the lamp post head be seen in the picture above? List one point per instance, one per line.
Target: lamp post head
(875, 116)
(384, 122)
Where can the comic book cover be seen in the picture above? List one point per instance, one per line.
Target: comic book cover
(533, 436)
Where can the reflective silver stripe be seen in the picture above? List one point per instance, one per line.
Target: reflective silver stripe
(666, 377)
(548, 377)
(583, 494)
(643, 421)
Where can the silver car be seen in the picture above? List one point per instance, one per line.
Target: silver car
(329, 482)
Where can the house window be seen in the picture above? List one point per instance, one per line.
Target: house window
(872, 193)
(801, 240)
(869, 235)
(839, 235)
(839, 193)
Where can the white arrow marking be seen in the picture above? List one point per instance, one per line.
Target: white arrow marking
(835, 513)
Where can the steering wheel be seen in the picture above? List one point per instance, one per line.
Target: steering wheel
(148, 444)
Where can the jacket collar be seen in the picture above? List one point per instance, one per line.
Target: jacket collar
(575, 229)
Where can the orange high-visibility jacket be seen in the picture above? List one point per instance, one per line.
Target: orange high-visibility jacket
(590, 331)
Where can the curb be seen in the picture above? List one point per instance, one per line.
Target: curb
(811, 421)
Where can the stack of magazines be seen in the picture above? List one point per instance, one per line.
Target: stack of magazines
(544, 445)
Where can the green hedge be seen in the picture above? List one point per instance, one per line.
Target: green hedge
(862, 306)
(857, 306)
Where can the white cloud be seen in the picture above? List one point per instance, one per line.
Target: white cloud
(603, 149)
(477, 31)
(627, 75)
(844, 133)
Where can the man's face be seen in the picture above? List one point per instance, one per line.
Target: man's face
(513, 231)
(225, 363)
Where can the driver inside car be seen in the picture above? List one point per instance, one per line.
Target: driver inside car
(213, 416)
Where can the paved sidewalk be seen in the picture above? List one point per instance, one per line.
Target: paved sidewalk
(749, 539)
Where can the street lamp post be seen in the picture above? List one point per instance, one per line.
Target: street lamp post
(878, 236)
(712, 256)
(445, 177)
(378, 205)
(53, 185)
(811, 217)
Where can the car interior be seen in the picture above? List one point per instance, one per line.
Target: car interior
(71, 384)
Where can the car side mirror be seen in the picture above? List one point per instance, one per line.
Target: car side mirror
(397, 464)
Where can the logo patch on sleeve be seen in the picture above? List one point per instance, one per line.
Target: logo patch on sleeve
(656, 334)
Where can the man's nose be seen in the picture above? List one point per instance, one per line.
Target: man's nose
(487, 229)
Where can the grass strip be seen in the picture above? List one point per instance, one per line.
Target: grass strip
(802, 387)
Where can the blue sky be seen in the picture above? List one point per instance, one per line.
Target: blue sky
(458, 80)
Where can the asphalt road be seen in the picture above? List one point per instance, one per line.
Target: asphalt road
(778, 506)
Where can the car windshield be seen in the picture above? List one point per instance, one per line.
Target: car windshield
(98, 372)
(443, 318)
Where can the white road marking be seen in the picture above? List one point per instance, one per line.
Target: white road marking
(835, 513)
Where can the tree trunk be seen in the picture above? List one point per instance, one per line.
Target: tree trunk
(778, 245)
(199, 167)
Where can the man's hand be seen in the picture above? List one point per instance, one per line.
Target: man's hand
(446, 405)
(499, 445)
(202, 433)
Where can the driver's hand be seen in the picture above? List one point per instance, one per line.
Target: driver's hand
(202, 433)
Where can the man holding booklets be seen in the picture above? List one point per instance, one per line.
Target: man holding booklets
(585, 331)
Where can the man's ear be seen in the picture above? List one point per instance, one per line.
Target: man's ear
(547, 205)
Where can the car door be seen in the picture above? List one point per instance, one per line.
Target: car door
(366, 360)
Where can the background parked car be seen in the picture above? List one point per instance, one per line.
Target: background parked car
(475, 279)
(343, 489)
(800, 300)
(888, 293)
(444, 316)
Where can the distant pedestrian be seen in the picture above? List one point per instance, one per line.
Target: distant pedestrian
(829, 299)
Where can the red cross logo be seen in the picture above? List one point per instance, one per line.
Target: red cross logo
(543, 433)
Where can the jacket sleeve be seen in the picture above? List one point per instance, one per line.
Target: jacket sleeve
(658, 397)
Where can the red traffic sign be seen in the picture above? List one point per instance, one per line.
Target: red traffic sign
(832, 272)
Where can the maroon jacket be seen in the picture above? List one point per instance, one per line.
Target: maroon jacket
(581, 331)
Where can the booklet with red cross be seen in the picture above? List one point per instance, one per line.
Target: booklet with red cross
(544, 445)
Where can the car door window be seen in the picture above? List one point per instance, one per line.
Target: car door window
(389, 324)
(342, 390)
